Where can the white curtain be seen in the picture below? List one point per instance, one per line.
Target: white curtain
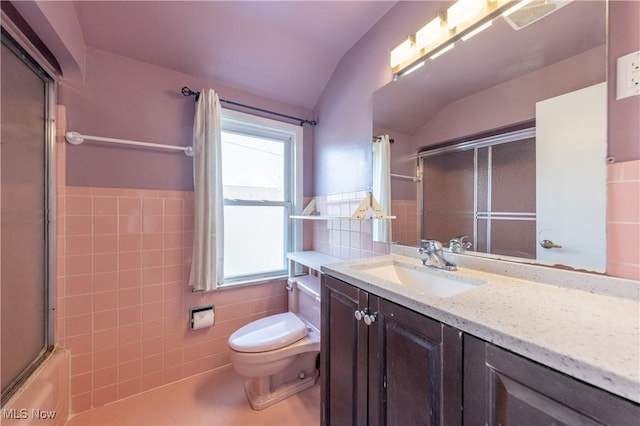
(208, 233)
(382, 187)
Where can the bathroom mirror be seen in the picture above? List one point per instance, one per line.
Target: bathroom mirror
(486, 87)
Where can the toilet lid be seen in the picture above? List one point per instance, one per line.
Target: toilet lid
(269, 333)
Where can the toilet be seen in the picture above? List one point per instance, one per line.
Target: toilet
(279, 353)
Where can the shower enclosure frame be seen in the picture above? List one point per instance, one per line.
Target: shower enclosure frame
(20, 45)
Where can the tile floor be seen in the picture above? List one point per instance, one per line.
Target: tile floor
(196, 401)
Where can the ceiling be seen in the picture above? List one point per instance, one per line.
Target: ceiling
(283, 50)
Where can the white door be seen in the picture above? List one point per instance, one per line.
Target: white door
(571, 135)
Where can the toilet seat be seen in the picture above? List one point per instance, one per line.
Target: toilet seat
(267, 334)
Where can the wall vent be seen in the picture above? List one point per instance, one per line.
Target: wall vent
(533, 12)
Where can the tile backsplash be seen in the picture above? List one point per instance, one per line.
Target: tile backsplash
(623, 220)
(352, 239)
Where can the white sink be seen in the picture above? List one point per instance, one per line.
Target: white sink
(421, 278)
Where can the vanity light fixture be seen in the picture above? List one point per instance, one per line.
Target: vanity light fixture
(463, 11)
(403, 52)
(442, 51)
(431, 33)
(477, 31)
(412, 69)
(463, 20)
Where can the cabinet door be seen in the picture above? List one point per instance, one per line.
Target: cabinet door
(343, 360)
(415, 368)
(501, 388)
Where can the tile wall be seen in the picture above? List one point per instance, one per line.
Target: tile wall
(623, 227)
(404, 229)
(352, 239)
(122, 298)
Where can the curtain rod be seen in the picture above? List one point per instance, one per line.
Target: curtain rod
(188, 92)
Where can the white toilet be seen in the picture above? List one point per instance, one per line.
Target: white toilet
(279, 353)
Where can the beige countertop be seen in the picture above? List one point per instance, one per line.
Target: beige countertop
(584, 325)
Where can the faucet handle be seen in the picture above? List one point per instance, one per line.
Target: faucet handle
(432, 245)
(458, 244)
(459, 238)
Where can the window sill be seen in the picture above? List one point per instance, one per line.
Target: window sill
(257, 281)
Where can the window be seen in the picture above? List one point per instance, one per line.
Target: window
(261, 177)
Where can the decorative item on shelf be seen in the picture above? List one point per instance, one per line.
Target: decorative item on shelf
(369, 208)
(310, 209)
(463, 20)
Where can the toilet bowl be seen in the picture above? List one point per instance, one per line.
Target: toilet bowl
(278, 353)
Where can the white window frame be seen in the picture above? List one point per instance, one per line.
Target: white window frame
(240, 122)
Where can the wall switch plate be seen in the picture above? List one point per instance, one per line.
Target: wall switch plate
(628, 75)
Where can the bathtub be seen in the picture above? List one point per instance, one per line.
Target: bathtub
(44, 398)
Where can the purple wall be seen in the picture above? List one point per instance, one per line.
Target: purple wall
(342, 152)
(342, 158)
(512, 102)
(624, 115)
(128, 99)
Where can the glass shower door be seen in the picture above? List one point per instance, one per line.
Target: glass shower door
(23, 223)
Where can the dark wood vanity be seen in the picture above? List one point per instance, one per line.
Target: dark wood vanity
(402, 368)
(501, 388)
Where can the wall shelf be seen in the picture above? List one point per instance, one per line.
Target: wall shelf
(369, 208)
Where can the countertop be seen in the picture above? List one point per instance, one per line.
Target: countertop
(312, 259)
(584, 325)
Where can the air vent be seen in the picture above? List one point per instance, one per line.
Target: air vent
(533, 12)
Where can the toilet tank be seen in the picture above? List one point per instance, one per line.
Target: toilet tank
(304, 298)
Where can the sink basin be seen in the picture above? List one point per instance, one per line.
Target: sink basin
(421, 278)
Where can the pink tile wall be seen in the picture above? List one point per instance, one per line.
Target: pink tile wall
(623, 227)
(125, 300)
(352, 239)
(122, 298)
(405, 228)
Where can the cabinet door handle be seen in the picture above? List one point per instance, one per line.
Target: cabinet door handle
(358, 314)
(370, 319)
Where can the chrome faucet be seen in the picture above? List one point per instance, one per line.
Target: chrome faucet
(459, 245)
(435, 257)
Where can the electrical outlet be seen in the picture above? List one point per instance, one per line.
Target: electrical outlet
(628, 75)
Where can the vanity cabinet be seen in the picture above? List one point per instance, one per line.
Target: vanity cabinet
(501, 388)
(391, 367)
